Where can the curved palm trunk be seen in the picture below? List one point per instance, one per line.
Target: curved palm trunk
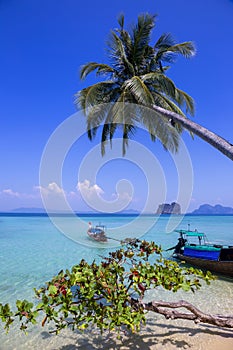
(217, 141)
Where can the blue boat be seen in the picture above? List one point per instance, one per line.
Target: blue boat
(194, 249)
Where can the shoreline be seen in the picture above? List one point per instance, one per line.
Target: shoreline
(157, 334)
(165, 335)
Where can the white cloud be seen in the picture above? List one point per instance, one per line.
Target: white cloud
(21, 195)
(11, 193)
(51, 189)
(54, 188)
(87, 190)
(54, 197)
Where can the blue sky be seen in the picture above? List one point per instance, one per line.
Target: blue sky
(43, 44)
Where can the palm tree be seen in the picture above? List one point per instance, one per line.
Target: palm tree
(137, 76)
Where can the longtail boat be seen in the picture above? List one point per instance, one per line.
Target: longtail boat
(213, 257)
(97, 233)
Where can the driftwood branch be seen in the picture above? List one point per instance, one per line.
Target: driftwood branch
(167, 310)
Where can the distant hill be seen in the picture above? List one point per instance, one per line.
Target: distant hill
(43, 211)
(129, 211)
(207, 209)
(29, 210)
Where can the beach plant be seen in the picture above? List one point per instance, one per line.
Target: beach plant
(109, 295)
(137, 74)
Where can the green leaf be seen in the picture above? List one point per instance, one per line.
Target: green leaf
(52, 290)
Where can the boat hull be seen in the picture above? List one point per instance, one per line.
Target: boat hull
(219, 267)
(99, 237)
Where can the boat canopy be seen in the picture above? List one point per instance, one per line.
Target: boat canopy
(203, 247)
(191, 233)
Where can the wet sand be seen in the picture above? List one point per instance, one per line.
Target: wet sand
(158, 334)
(165, 335)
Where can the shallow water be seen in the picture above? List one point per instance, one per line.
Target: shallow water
(33, 250)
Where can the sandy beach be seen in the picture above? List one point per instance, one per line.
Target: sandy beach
(158, 334)
(166, 335)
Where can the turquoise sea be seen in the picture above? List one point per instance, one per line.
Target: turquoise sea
(33, 250)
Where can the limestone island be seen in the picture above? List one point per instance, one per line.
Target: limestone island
(165, 208)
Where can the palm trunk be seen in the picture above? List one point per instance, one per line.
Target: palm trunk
(217, 141)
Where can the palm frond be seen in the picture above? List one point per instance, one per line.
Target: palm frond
(80, 99)
(185, 100)
(91, 132)
(105, 136)
(127, 43)
(122, 115)
(165, 102)
(160, 128)
(108, 132)
(96, 117)
(186, 49)
(160, 100)
(91, 66)
(165, 40)
(121, 20)
(169, 53)
(99, 93)
(160, 82)
(139, 90)
(118, 110)
(141, 34)
(128, 131)
(119, 56)
(108, 129)
(96, 94)
(110, 126)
